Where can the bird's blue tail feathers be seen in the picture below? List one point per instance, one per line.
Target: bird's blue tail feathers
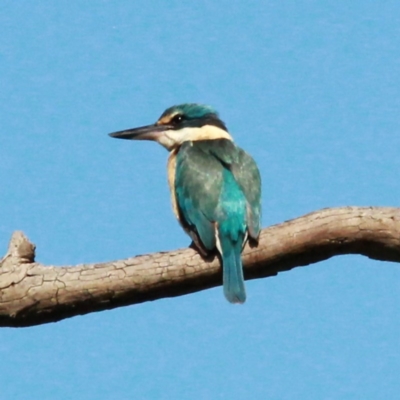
(234, 289)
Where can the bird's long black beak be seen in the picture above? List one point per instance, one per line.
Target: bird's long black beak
(148, 132)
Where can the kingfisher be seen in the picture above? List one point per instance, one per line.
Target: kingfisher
(215, 185)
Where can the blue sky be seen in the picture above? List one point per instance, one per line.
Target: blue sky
(311, 89)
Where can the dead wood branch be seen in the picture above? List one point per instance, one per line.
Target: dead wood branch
(32, 294)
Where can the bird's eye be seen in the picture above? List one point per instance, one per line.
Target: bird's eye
(177, 119)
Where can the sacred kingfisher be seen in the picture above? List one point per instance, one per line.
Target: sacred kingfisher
(215, 186)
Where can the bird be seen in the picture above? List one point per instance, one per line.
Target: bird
(215, 185)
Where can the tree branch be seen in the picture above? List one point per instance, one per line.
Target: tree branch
(33, 294)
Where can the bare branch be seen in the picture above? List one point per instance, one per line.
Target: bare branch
(32, 294)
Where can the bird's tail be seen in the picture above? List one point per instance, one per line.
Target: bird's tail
(233, 280)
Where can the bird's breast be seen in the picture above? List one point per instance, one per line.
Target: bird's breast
(171, 170)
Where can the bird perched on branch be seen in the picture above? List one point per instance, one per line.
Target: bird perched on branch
(215, 185)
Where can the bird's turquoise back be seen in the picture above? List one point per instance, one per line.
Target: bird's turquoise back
(218, 189)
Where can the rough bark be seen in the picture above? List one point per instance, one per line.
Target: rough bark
(32, 294)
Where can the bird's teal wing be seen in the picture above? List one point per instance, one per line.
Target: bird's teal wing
(198, 183)
(248, 177)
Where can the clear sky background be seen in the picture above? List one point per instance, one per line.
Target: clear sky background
(311, 89)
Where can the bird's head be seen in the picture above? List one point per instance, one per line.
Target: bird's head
(178, 124)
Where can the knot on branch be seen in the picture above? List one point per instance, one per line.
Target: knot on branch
(20, 249)
(14, 265)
